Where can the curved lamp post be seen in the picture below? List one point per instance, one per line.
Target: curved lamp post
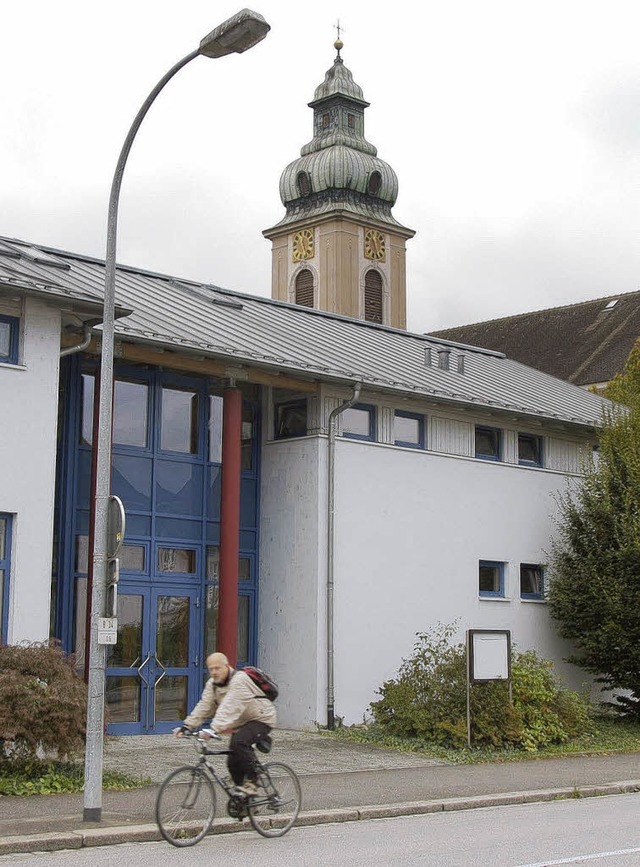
(237, 34)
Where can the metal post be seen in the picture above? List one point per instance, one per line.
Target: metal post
(469, 689)
(237, 34)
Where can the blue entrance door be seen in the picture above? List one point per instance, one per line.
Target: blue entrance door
(154, 671)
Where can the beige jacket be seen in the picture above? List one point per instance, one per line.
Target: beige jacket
(238, 702)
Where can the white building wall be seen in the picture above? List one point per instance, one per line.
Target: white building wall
(27, 468)
(411, 529)
(292, 600)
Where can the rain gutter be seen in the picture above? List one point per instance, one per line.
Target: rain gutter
(86, 339)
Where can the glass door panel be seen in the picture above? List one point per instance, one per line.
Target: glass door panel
(125, 687)
(172, 695)
(122, 695)
(153, 670)
(172, 630)
(128, 649)
(175, 662)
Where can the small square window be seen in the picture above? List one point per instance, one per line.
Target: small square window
(9, 330)
(408, 429)
(133, 558)
(179, 560)
(358, 422)
(491, 579)
(488, 443)
(531, 581)
(529, 450)
(291, 419)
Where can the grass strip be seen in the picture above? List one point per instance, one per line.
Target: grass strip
(606, 736)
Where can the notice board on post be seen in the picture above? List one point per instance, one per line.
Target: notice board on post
(489, 654)
(488, 658)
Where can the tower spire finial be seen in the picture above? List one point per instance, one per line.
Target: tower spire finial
(338, 44)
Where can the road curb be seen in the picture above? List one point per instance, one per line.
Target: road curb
(82, 838)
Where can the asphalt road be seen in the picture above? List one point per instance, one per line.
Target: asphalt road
(602, 832)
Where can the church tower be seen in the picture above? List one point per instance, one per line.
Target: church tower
(338, 247)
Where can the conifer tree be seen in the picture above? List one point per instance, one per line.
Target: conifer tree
(594, 590)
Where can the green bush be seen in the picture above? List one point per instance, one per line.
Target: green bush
(428, 700)
(43, 703)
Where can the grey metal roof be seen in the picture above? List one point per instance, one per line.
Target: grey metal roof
(245, 329)
(30, 270)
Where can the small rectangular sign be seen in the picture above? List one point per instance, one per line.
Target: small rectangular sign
(107, 636)
(107, 623)
(489, 654)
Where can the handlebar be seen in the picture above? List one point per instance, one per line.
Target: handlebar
(208, 735)
(202, 735)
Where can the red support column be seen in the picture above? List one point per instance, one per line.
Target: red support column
(230, 524)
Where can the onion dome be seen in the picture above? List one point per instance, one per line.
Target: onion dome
(338, 168)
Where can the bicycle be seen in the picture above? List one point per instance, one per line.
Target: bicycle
(186, 803)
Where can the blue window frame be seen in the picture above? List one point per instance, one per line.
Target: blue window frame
(491, 579)
(531, 581)
(359, 422)
(529, 450)
(5, 574)
(9, 333)
(488, 445)
(167, 470)
(408, 429)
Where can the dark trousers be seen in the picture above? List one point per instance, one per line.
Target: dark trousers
(241, 759)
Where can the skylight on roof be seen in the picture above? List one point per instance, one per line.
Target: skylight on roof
(612, 304)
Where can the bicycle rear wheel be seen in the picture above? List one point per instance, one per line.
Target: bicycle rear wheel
(185, 806)
(274, 809)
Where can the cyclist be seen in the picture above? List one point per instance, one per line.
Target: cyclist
(238, 706)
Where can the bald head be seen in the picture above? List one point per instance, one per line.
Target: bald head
(218, 667)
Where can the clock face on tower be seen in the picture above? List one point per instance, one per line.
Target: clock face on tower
(374, 245)
(303, 246)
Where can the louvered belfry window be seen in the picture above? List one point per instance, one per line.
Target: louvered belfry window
(304, 288)
(373, 296)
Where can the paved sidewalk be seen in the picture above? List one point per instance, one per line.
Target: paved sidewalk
(341, 782)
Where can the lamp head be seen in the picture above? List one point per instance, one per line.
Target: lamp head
(238, 33)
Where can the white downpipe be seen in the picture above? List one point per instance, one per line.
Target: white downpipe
(333, 416)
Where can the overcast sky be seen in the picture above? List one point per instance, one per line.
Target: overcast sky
(514, 128)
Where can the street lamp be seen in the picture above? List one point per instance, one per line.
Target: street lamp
(239, 33)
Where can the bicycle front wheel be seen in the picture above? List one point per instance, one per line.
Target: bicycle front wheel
(185, 806)
(275, 807)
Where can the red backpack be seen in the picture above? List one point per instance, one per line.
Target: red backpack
(262, 679)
